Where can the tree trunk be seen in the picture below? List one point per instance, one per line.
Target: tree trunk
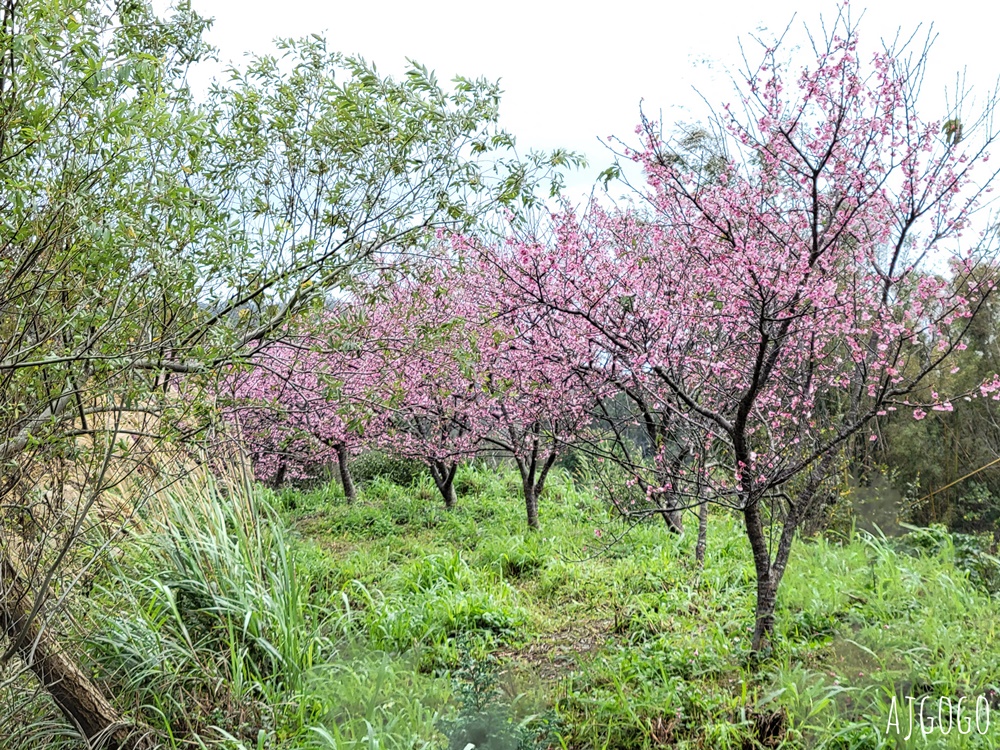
(766, 581)
(444, 479)
(767, 597)
(345, 474)
(279, 476)
(448, 492)
(769, 574)
(673, 518)
(533, 483)
(76, 696)
(699, 548)
(673, 511)
(531, 504)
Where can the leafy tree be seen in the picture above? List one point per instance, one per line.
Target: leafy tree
(146, 239)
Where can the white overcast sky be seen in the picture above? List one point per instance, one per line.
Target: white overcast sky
(574, 72)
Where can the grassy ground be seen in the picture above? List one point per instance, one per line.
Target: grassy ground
(392, 623)
(637, 648)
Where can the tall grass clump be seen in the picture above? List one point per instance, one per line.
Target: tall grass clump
(213, 614)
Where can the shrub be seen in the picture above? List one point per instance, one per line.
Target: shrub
(486, 720)
(377, 464)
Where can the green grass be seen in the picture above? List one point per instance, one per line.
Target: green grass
(255, 620)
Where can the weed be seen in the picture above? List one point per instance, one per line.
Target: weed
(486, 719)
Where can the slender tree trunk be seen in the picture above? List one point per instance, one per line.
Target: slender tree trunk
(76, 696)
(767, 597)
(533, 482)
(673, 520)
(673, 514)
(527, 470)
(699, 548)
(345, 474)
(796, 516)
(448, 492)
(531, 504)
(769, 574)
(766, 583)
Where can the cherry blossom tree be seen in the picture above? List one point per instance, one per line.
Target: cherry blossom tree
(651, 443)
(301, 407)
(527, 369)
(532, 412)
(419, 333)
(473, 368)
(778, 308)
